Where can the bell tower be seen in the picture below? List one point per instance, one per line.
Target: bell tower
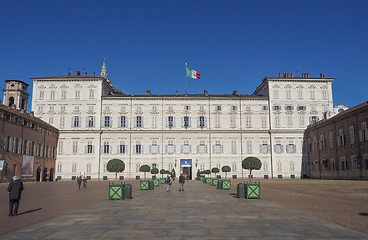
(15, 93)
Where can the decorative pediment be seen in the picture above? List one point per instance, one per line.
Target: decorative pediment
(78, 85)
(53, 86)
(64, 86)
(92, 86)
(312, 87)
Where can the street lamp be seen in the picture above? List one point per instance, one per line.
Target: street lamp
(196, 164)
(175, 163)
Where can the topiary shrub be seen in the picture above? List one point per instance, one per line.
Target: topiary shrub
(225, 169)
(154, 171)
(207, 171)
(215, 170)
(115, 165)
(145, 168)
(251, 163)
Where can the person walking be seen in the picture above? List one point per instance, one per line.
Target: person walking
(181, 182)
(79, 181)
(85, 182)
(15, 189)
(169, 181)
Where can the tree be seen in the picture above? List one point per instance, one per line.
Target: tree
(198, 173)
(215, 170)
(207, 171)
(251, 163)
(145, 168)
(154, 171)
(225, 169)
(115, 165)
(162, 172)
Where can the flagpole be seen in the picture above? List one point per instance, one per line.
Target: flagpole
(186, 79)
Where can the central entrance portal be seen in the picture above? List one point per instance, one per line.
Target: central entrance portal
(186, 168)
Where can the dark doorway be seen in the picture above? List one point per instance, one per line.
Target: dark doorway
(45, 175)
(186, 168)
(51, 174)
(38, 176)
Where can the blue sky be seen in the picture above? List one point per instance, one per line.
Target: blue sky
(233, 44)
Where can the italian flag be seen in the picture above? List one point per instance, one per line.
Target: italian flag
(193, 74)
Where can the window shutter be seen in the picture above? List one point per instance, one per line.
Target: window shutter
(126, 149)
(110, 123)
(198, 121)
(158, 148)
(274, 148)
(190, 148)
(142, 121)
(135, 121)
(205, 121)
(174, 121)
(174, 148)
(85, 148)
(166, 148)
(150, 148)
(93, 149)
(87, 121)
(197, 148)
(182, 121)
(110, 149)
(260, 148)
(167, 121)
(102, 148)
(72, 124)
(294, 148)
(190, 121)
(142, 148)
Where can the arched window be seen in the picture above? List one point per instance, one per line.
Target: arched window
(11, 101)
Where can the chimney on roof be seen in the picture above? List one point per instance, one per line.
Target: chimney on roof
(206, 93)
(148, 92)
(85, 74)
(69, 74)
(93, 74)
(235, 92)
(77, 73)
(177, 92)
(303, 75)
(31, 114)
(307, 75)
(292, 75)
(322, 75)
(280, 74)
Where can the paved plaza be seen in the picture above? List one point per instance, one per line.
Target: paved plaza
(200, 212)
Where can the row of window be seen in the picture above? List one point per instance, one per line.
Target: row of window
(27, 147)
(234, 166)
(301, 94)
(363, 136)
(343, 164)
(138, 147)
(298, 108)
(77, 94)
(186, 121)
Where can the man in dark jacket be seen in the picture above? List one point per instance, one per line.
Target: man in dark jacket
(15, 189)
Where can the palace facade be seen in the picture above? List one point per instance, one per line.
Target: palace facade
(185, 132)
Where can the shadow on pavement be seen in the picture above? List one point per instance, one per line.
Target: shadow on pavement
(29, 211)
(363, 214)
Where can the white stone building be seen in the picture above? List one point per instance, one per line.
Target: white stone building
(98, 123)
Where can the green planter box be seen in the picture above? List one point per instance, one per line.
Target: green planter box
(115, 191)
(156, 182)
(204, 180)
(226, 184)
(162, 180)
(201, 179)
(214, 182)
(144, 185)
(253, 190)
(208, 180)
